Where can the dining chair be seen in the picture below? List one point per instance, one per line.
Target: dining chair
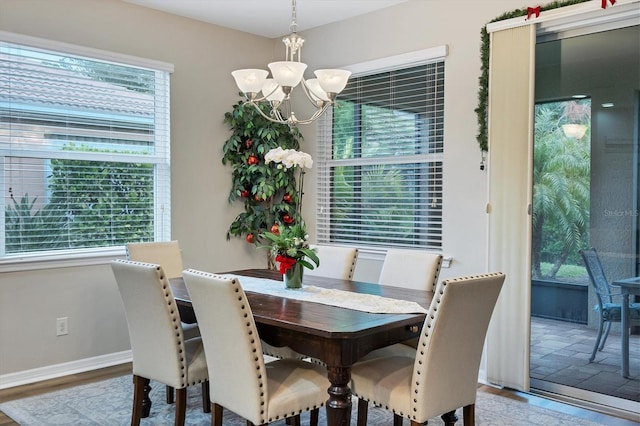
(169, 255)
(335, 262)
(608, 311)
(442, 375)
(414, 269)
(244, 384)
(160, 351)
(418, 270)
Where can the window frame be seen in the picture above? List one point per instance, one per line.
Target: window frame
(325, 162)
(162, 198)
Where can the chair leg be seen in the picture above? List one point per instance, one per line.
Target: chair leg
(606, 334)
(397, 420)
(216, 416)
(313, 417)
(469, 415)
(295, 420)
(595, 347)
(138, 395)
(169, 396)
(363, 407)
(206, 403)
(181, 406)
(449, 418)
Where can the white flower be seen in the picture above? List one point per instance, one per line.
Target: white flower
(289, 158)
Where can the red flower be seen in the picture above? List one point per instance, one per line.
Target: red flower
(287, 219)
(286, 263)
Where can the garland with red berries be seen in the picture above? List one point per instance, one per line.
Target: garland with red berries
(483, 92)
(268, 194)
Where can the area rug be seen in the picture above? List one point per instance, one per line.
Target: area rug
(108, 403)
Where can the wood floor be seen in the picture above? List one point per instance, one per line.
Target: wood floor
(107, 373)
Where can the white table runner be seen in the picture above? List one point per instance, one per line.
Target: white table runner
(340, 298)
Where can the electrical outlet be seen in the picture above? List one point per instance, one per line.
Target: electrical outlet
(62, 326)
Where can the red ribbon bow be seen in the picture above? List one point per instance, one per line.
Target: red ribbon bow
(604, 3)
(286, 262)
(536, 11)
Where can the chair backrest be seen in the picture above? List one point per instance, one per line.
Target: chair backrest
(231, 344)
(335, 262)
(411, 269)
(157, 342)
(165, 253)
(596, 274)
(451, 342)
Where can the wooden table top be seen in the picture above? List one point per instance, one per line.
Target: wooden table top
(315, 318)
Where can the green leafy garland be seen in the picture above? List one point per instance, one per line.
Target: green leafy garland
(483, 92)
(268, 193)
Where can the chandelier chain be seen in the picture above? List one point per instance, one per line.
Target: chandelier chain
(294, 23)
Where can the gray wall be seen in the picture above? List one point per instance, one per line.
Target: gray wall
(202, 90)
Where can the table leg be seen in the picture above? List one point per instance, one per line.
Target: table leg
(624, 326)
(339, 403)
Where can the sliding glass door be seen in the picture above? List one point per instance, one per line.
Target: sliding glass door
(585, 195)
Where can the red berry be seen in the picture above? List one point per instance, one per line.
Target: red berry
(275, 229)
(287, 198)
(244, 193)
(250, 238)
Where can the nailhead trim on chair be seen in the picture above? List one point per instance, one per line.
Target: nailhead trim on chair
(252, 341)
(353, 265)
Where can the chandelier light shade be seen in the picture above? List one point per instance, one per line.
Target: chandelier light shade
(575, 131)
(287, 75)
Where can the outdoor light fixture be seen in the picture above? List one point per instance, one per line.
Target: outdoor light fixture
(575, 131)
(286, 75)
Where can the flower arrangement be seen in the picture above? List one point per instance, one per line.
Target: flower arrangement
(289, 244)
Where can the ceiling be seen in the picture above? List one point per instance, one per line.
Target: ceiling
(267, 18)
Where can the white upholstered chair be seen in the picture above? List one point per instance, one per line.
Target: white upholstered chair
(160, 351)
(165, 253)
(259, 392)
(442, 376)
(335, 262)
(169, 255)
(414, 269)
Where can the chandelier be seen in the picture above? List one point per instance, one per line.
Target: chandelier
(286, 75)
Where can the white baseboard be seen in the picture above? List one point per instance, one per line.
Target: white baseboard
(59, 370)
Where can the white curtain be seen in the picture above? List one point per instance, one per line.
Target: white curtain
(511, 103)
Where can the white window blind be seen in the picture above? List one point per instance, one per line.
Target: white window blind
(84, 152)
(380, 160)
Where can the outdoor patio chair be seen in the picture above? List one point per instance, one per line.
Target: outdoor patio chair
(608, 311)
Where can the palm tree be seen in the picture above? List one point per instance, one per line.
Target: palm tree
(561, 188)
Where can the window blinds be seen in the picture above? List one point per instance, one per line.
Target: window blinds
(380, 161)
(84, 149)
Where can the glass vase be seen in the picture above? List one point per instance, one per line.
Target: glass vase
(293, 276)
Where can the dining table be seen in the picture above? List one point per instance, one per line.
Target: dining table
(335, 335)
(628, 287)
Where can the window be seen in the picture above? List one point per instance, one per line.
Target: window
(380, 160)
(84, 152)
